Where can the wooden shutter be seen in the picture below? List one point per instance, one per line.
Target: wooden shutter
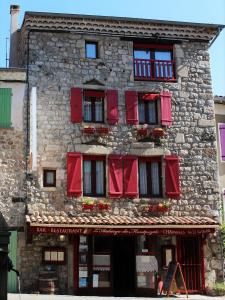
(222, 141)
(112, 106)
(131, 107)
(74, 174)
(115, 176)
(130, 174)
(76, 98)
(172, 175)
(166, 109)
(5, 107)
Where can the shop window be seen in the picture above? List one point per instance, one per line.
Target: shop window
(148, 108)
(93, 176)
(54, 255)
(5, 107)
(222, 140)
(93, 106)
(152, 62)
(91, 49)
(49, 178)
(149, 178)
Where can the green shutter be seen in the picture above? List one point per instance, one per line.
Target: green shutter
(5, 107)
(12, 280)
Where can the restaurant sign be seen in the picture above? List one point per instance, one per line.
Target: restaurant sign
(119, 231)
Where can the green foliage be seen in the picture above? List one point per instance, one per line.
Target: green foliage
(219, 288)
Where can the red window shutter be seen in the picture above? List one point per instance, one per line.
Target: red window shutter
(112, 107)
(130, 169)
(74, 174)
(166, 109)
(76, 105)
(115, 176)
(131, 107)
(172, 175)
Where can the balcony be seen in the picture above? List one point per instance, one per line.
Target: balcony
(156, 70)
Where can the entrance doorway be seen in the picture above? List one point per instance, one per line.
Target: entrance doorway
(124, 266)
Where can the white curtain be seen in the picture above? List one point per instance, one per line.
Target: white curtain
(87, 110)
(143, 178)
(155, 178)
(99, 177)
(98, 110)
(141, 111)
(87, 177)
(151, 112)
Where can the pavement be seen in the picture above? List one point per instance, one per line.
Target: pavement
(67, 297)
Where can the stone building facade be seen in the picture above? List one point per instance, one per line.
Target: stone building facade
(86, 117)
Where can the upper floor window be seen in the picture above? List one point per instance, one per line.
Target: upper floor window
(94, 106)
(93, 176)
(5, 107)
(152, 62)
(49, 178)
(148, 108)
(91, 49)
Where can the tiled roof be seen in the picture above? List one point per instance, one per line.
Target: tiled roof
(219, 99)
(118, 221)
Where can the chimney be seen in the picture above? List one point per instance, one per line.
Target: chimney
(14, 25)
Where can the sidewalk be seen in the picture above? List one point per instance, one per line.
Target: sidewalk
(66, 297)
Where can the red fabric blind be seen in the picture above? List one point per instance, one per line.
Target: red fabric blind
(112, 106)
(222, 141)
(96, 94)
(131, 107)
(76, 105)
(166, 114)
(115, 167)
(130, 176)
(74, 174)
(149, 97)
(172, 175)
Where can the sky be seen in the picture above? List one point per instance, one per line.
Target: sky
(198, 11)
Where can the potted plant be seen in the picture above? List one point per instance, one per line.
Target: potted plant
(163, 207)
(102, 130)
(88, 204)
(88, 130)
(102, 205)
(158, 132)
(142, 131)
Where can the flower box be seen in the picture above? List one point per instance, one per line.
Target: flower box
(142, 131)
(102, 130)
(86, 206)
(103, 206)
(158, 132)
(88, 130)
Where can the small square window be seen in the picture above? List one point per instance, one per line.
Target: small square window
(54, 255)
(91, 50)
(49, 178)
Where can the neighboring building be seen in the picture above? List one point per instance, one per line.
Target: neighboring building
(121, 125)
(220, 127)
(12, 162)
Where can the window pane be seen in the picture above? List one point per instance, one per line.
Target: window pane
(50, 178)
(152, 112)
(87, 109)
(163, 69)
(143, 178)
(163, 55)
(87, 177)
(142, 54)
(141, 112)
(100, 177)
(91, 50)
(99, 110)
(155, 178)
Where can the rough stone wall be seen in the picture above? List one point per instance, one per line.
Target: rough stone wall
(57, 63)
(12, 168)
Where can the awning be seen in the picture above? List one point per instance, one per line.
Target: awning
(123, 225)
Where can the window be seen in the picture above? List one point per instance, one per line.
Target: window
(222, 140)
(54, 255)
(93, 106)
(93, 176)
(148, 108)
(5, 107)
(149, 178)
(49, 178)
(91, 49)
(152, 62)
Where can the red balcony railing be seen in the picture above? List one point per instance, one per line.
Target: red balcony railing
(162, 70)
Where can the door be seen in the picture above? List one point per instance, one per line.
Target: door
(12, 280)
(123, 266)
(189, 251)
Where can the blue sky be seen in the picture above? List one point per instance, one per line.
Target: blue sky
(200, 11)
